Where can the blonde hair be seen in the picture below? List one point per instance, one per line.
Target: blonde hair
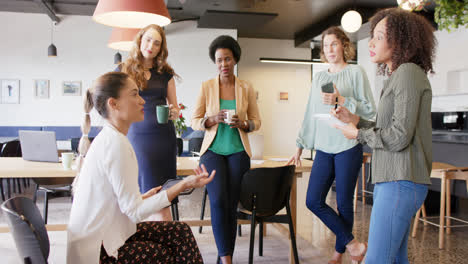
(348, 48)
(106, 86)
(133, 66)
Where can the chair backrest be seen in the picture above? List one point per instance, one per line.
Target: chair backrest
(271, 186)
(28, 229)
(11, 149)
(195, 144)
(76, 141)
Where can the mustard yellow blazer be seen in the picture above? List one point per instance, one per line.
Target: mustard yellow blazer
(208, 105)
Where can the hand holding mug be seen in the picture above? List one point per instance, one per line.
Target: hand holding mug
(173, 112)
(237, 123)
(331, 98)
(219, 118)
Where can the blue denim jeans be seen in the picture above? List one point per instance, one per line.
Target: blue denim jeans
(395, 203)
(224, 193)
(344, 168)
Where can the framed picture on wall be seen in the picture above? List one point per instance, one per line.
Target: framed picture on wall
(72, 88)
(41, 89)
(10, 91)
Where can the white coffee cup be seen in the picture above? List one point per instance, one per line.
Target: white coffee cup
(67, 159)
(229, 114)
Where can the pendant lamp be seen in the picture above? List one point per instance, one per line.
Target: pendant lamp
(52, 50)
(117, 58)
(411, 5)
(131, 13)
(122, 38)
(351, 21)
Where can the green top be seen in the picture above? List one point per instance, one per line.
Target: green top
(401, 136)
(352, 83)
(227, 140)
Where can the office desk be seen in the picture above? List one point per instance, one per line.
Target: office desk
(19, 168)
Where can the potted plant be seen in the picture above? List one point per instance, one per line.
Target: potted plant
(450, 14)
(180, 128)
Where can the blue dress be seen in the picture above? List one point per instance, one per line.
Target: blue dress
(154, 143)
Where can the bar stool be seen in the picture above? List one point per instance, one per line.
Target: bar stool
(366, 158)
(445, 172)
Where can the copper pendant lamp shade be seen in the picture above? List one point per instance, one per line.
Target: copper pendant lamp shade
(131, 13)
(122, 38)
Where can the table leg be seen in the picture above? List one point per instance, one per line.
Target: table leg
(443, 188)
(363, 182)
(292, 202)
(448, 207)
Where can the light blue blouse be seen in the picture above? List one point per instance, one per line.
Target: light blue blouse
(352, 83)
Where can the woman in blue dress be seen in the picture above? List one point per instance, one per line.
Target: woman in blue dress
(154, 143)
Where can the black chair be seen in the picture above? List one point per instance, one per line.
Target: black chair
(28, 230)
(76, 141)
(49, 187)
(264, 192)
(12, 149)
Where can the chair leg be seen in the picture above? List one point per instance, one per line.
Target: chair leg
(416, 221)
(239, 230)
(292, 234)
(448, 208)
(252, 237)
(18, 182)
(202, 213)
(173, 212)
(260, 239)
(1, 189)
(176, 210)
(355, 197)
(46, 205)
(8, 186)
(424, 214)
(35, 193)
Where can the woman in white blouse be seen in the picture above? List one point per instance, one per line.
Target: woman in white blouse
(107, 207)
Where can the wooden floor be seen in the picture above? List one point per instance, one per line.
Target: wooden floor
(315, 241)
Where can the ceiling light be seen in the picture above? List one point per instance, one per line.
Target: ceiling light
(52, 50)
(351, 21)
(411, 5)
(291, 61)
(122, 38)
(131, 13)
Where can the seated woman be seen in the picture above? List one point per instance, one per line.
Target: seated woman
(107, 204)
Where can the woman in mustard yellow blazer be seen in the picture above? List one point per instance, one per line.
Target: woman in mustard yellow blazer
(227, 110)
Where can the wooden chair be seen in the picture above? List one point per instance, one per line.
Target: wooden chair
(445, 172)
(366, 158)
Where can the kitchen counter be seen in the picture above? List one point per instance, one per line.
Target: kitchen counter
(455, 137)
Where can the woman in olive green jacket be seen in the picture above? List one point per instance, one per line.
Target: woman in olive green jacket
(403, 44)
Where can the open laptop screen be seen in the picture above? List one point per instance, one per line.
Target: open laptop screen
(38, 145)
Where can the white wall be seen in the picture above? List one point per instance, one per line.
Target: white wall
(83, 55)
(281, 120)
(450, 81)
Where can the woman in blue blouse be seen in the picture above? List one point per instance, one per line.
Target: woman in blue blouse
(337, 158)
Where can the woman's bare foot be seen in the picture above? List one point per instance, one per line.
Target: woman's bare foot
(336, 259)
(357, 250)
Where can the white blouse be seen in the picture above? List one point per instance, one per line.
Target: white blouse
(107, 202)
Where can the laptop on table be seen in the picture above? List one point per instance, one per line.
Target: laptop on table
(38, 145)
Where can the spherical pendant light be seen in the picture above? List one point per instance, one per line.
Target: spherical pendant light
(351, 21)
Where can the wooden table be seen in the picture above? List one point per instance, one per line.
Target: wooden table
(19, 168)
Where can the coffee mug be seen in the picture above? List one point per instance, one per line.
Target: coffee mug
(162, 112)
(67, 159)
(229, 113)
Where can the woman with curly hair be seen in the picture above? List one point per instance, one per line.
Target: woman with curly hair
(337, 158)
(225, 147)
(403, 45)
(154, 143)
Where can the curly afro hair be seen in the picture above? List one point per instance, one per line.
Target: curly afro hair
(225, 42)
(410, 35)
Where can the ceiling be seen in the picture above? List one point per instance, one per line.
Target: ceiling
(300, 20)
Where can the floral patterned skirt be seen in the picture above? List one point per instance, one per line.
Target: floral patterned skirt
(157, 242)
